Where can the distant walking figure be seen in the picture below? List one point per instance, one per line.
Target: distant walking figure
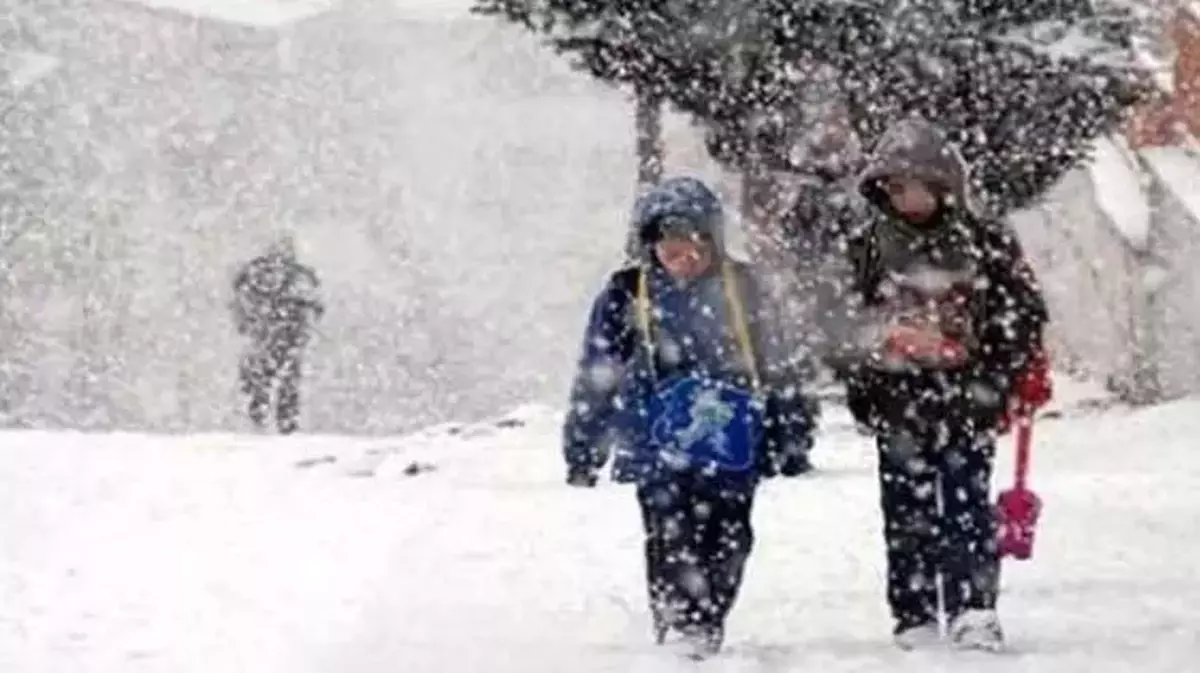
(274, 305)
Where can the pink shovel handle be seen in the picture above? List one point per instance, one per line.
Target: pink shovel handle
(1024, 441)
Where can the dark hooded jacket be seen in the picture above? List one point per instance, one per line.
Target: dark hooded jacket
(273, 297)
(693, 334)
(822, 209)
(967, 272)
(823, 213)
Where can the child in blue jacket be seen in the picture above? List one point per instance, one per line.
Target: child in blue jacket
(685, 378)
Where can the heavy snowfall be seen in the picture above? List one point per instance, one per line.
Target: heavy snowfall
(453, 182)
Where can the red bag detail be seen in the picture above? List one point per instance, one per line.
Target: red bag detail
(911, 343)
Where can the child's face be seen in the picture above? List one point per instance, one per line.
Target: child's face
(910, 197)
(684, 257)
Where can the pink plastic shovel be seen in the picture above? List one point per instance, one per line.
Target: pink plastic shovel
(1019, 508)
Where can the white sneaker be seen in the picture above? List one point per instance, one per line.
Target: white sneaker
(977, 630)
(697, 644)
(918, 637)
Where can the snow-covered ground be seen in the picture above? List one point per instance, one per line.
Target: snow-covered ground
(223, 554)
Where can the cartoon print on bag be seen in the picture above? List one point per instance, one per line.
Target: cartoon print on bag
(701, 434)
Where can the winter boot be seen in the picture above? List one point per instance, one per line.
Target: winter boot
(701, 642)
(661, 628)
(977, 630)
(802, 466)
(287, 425)
(257, 408)
(917, 637)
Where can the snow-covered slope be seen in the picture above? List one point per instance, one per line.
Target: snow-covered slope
(136, 553)
(254, 13)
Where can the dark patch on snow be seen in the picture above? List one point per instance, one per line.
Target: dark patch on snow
(317, 460)
(415, 468)
(510, 423)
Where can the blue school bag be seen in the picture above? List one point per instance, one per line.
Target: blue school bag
(698, 424)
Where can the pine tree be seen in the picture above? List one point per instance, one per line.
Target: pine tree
(1024, 87)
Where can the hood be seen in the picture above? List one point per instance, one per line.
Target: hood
(283, 248)
(830, 151)
(918, 148)
(684, 198)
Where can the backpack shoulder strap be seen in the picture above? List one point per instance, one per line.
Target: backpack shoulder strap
(642, 308)
(733, 297)
(741, 326)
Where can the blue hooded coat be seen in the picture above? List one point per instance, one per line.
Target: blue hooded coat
(693, 334)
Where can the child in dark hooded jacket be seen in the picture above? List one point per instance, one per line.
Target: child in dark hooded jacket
(684, 378)
(949, 318)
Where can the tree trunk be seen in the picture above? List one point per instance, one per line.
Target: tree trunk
(648, 130)
(649, 145)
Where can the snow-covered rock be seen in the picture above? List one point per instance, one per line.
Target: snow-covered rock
(1178, 170)
(1118, 186)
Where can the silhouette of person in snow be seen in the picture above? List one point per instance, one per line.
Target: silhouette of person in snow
(274, 306)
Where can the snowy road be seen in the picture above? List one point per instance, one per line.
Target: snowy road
(218, 554)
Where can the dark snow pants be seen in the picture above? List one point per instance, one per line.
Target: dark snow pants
(938, 516)
(698, 538)
(273, 367)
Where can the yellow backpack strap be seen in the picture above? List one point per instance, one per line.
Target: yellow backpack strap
(741, 327)
(642, 306)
